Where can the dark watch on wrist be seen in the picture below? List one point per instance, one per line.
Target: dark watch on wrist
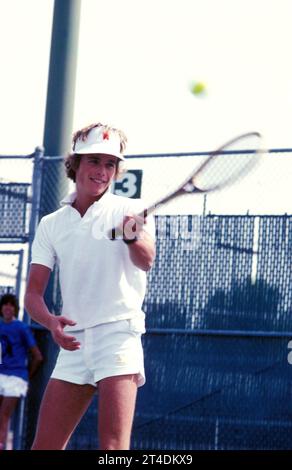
(131, 240)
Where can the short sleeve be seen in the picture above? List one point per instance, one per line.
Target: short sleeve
(28, 337)
(43, 251)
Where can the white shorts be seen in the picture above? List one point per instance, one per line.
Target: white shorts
(106, 350)
(12, 386)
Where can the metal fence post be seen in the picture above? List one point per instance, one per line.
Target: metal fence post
(34, 218)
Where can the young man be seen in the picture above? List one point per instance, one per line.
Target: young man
(17, 345)
(103, 285)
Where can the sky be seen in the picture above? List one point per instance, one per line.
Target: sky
(136, 59)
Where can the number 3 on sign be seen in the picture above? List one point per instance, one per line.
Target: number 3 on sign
(129, 185)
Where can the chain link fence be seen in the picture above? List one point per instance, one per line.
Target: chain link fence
(16, 175)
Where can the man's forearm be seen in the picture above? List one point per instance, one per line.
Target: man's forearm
(142, 252)
(37, 309)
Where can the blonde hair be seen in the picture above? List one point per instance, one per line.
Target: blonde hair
(72, 161)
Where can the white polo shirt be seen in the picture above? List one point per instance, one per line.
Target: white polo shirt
(99, 282)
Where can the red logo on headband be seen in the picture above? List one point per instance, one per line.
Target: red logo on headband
(105, 135)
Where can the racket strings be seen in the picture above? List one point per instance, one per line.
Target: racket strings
(223, 169)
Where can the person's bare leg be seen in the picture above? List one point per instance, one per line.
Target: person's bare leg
(8, 405)
(117, 399)
(62, 407)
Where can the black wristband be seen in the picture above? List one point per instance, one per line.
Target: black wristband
(131, 240)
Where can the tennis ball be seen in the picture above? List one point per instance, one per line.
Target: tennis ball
(198, 88)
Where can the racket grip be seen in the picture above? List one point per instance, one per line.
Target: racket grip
(114, 233)
(117, 232)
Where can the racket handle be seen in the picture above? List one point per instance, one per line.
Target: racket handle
(114, 233)
(118, 232)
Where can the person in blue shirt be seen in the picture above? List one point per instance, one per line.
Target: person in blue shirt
(19, 359)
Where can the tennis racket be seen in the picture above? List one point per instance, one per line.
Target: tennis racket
(221, 168)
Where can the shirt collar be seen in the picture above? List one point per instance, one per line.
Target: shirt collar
(69, 199)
